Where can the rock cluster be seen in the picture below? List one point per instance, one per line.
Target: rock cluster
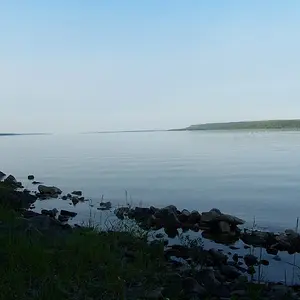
(212, 223)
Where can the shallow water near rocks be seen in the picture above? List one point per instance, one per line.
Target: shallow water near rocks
(247, 174)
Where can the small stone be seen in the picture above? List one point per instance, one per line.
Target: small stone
(30, 177)
(77, 193)
(63, 219)
(36, 182)
(64, 197)
(68, 213)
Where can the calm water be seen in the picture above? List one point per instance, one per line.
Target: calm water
(243, 173)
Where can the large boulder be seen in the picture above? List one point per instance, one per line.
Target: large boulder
(77, 193)
(168, 217)
(232, 220)
(49, 190)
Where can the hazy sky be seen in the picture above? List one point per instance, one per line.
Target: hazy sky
(85, 65)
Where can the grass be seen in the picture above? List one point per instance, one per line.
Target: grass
(84, 264)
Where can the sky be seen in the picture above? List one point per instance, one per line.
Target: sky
(77, 65)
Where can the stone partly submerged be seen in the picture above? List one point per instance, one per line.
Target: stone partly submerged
(213, 223)
(49, 191)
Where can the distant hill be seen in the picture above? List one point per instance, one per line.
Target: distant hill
(252, 125)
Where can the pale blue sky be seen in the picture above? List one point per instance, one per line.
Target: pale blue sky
(73, 66)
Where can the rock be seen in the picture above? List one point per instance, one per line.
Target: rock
(45, 223)
(11, 181)
(264, 262)
(235, 258)
(13, 199)
(36, 182)
(63, 218)
(250, 260)
(191, 286)
(234, 248)
(184, 215)
(77, 193)
(2, 175)
(75, 200)
(168, 217)
(81, 199)
(232, 220)
(27, 214)
(208, 279)
(251, 270)
(30, 177)
(69, 196)
(247, 247)
(121, 212)
(230, 272)
(68, 213)
(216, 210)
(105, 205)
(194, 217)
(255, 238)
(64, 198)
(272, 251)
(49, 190)
(208, 217)
(218, 257)
(224, 227)
(51, 213)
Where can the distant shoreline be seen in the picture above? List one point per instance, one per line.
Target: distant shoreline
(291, 125)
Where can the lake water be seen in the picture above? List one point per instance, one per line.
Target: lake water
(248, 174)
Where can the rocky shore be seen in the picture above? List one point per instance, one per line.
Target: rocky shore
(181, 271)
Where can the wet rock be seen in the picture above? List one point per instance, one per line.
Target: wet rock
(168, 218)
(211, 216)
(171, 232)
(81, 199)
(63, 218)
(11, 181)
(192, 287)
(70, 214)
(51, 213)
(235, 258)
(2, 175)
(49, 190)
(75, 200)
(69, 196)
(30, 177)
(234, 248)
(272, 251)
(77, 193)
(36, 182)
(64, 197)
(250, 260)
(105, 205)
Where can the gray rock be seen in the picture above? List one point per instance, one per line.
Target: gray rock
(51, 213)
(30, 177)
(2, 175)
(121, 212)
(208, 217)
(49, 190)
(77, 193)
(75, 200)
(64, 197)
(216, 210)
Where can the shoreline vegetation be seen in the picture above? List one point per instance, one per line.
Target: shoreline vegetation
(293, 125)
(43, 257)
